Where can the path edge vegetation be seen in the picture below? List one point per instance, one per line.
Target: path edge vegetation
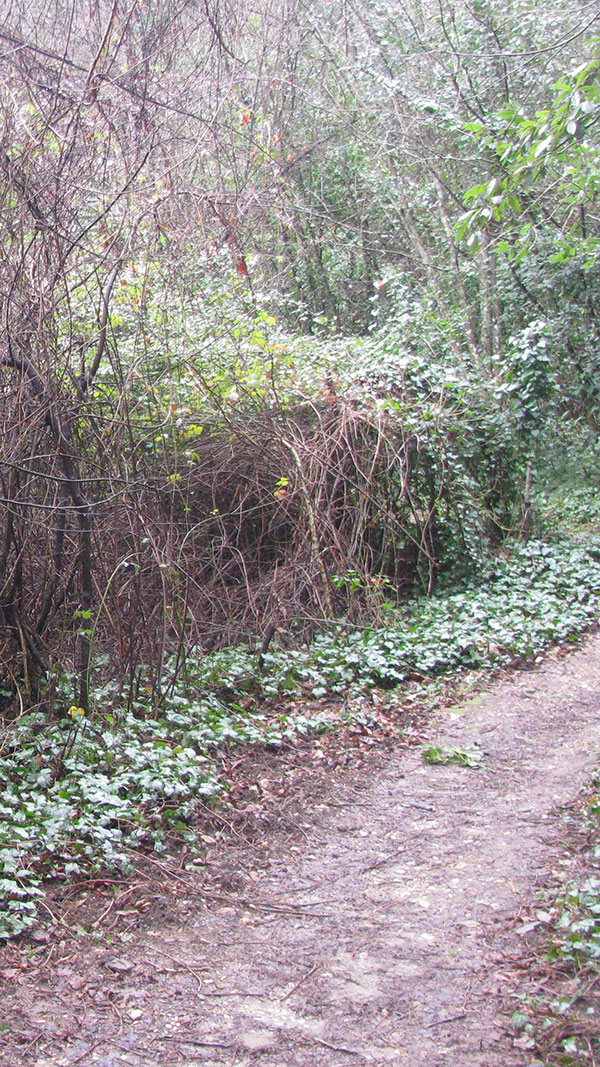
(555, 1015)
(85, 792)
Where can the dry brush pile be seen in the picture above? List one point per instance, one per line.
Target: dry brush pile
(280, 519)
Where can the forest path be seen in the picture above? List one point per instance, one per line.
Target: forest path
(382, 933)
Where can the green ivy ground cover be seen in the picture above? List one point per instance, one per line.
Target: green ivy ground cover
(514, 609)
(81, 794)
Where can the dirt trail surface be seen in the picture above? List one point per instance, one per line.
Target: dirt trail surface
(382, 931)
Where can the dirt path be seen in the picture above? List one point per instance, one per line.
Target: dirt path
(381, 933)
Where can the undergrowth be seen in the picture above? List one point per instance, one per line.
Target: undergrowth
(560, 1025)
(511, 611)
(82, 792)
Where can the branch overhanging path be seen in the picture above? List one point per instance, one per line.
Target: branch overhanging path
(385, 930)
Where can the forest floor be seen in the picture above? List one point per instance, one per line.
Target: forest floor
(356, 907)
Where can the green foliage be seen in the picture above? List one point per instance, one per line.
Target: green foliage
(81, 792)
(75, 795)
(537, 206)
(578, 509)
(555, 148)
(559, 1025)
(579, 924)
(462, 757)
(528, 377)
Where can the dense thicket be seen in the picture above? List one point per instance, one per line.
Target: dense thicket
(259, 359)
